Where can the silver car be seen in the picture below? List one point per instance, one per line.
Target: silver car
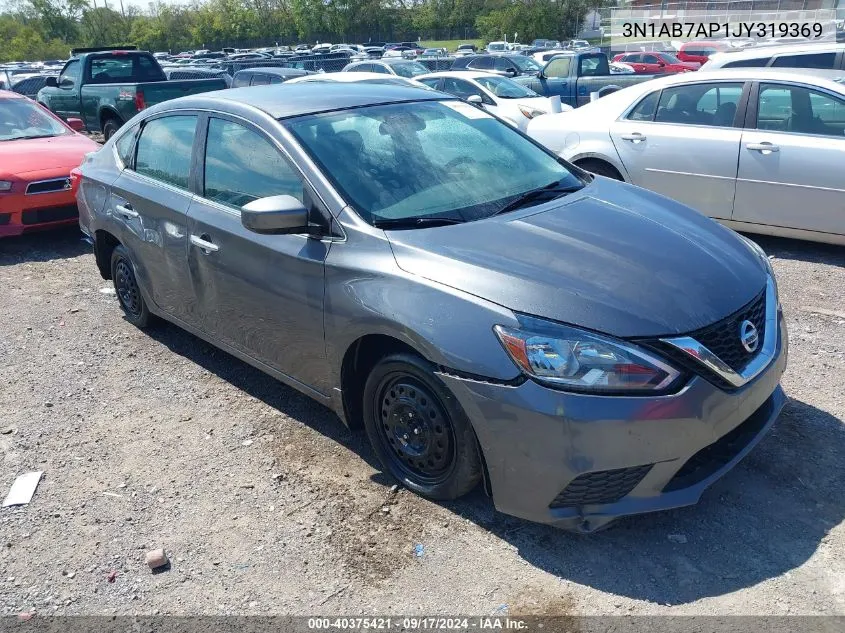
(375, 247)
(761, 150)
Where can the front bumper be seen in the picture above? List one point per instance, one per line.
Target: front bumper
(579, 461)
(20, 213)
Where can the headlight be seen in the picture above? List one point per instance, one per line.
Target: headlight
(530, 113)
(5, 185)
(576, 359)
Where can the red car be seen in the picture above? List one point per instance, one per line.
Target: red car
(655, 63)
(701, 50)
(37, 153)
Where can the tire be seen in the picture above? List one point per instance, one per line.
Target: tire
(600, 168)
(126, 287)
(111, 126)
(418, 430)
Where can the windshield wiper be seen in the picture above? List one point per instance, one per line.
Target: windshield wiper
(26, 138)
(554, 189)
(414, 223)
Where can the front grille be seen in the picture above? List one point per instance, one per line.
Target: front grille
(721, 452)
(721, 338)
(48, 186)
(602, 486)
(5, 218)
(51, 214)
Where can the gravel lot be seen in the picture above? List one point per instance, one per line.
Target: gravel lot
(266, 504)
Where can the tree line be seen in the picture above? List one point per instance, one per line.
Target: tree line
(47, 29)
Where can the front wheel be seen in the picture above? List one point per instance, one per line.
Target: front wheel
(418, 430)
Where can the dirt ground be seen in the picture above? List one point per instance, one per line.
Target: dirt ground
(266, 504)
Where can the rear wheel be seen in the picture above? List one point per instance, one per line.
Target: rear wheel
(418, 429)
(110, 126)
(600, 168)
(127, 289)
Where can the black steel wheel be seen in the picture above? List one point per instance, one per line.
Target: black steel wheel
(418, 430)
(126, 287)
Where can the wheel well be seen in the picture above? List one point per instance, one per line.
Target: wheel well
(107, 114)
(599, 166)
(105, 243)
(358, 362)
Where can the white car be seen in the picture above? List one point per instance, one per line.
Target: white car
(498, 47)
(758, 149)
(359, 77)
(499, 95)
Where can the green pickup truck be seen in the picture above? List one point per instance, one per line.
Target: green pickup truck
(105, 87)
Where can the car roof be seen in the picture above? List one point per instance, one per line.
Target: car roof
(824, 78)
(753, 52)
(282, 101)
(346, 77)
(273, 70)
(463, 74)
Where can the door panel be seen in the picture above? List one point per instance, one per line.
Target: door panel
(262, 294)
(790, 168)
(150, 199)
(157, 239)
(685, 148)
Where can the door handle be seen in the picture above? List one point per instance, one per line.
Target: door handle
(634, 137)
(205, 244)
(126, 210)
(763, 147)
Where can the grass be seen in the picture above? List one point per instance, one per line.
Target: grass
(451, 45)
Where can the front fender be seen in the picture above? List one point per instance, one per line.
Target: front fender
(367, 293)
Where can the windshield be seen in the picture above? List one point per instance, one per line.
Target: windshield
(504, 88)
(526, 63)
(496, 47)
(21, 119)
(443, 160)
(670, 59)
(409, 69)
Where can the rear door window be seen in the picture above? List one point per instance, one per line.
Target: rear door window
(176, 134)
(801, 110)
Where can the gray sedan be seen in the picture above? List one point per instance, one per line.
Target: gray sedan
(587, 348)
(758, 149)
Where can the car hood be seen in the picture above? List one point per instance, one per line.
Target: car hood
(611, 257)
(541, 103)
(37, 154)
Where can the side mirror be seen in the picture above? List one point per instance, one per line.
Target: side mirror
(511, 72)
(475, 100)
(51, 82)
(275, 215)
(662, 64)
(75, 124)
